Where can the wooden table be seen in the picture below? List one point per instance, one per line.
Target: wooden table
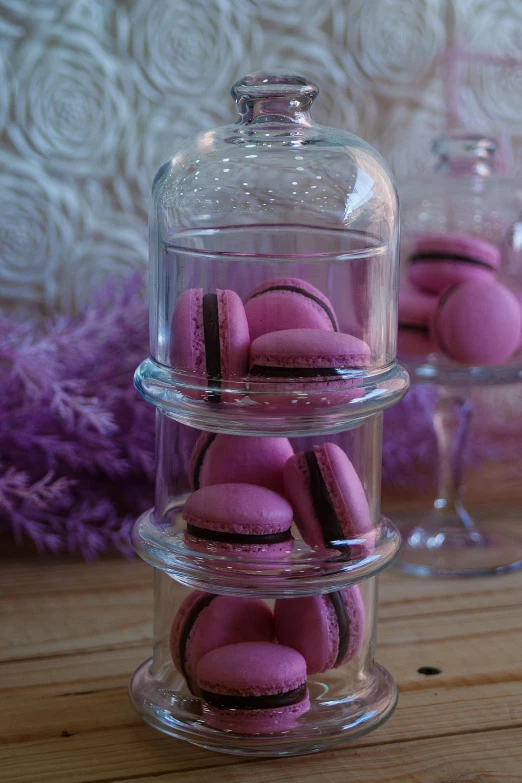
(72, 634)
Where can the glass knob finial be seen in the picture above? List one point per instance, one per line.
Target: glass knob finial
(275, 96)
(461, 152)
(464, 144)
(276, 84)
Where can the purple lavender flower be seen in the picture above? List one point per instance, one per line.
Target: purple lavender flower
(77, 442)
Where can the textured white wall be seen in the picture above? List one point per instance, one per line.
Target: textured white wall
(94, 94)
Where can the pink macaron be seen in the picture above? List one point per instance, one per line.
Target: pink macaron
(223, 459)
(414, 343)
(253, 688)
(239, 518)
(301, 367)
(330, 506)
(478, 323)
(440, 261)
(288, 303)
(328, 630)
(416, 307)
(210, 339)
(205, 621)
(416, 310)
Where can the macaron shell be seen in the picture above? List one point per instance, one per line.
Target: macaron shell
(188, 341)
(346, 494)
(415, 343)
(518, 295)
(281, 396)
(252, 669)
(295, 348)
(234, 336)
(256, 721)
(460, 245)
(245, 509)
(357, 619)
(297, 489)
(180, 619)
(226, 620)
(270, 309)
(437, 275)
(309, 625)
(240, 459)
(478, 323)
(262, 554)
(416, 307)
(345, 489)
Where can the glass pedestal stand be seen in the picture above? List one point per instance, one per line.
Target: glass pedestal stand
(446, 541)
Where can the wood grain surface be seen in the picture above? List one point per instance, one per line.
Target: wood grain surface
(72, 634)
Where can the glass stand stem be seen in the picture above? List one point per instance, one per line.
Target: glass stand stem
(451, 421)
(449, 524)
(444, 541)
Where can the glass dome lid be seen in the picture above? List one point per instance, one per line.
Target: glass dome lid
(273, 197)
(276, 165)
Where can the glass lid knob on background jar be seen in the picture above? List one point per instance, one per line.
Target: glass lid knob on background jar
(462, 154)
(273, 272)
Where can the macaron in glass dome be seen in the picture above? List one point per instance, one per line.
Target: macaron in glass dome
(460, 327)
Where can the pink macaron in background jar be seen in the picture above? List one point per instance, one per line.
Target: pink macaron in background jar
(274, 276)
(460, 327)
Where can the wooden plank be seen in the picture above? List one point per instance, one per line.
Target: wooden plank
(37, 576)
(405, 596)
(72, 634)
(139, 754)
(475, 758)
(38, 713)
(47, 624)
(75, 671)
(99, 755)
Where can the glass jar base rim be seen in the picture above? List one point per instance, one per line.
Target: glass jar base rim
(309, 414)
(304, 572)
(360, 716)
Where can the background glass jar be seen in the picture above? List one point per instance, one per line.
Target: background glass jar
(460, 327)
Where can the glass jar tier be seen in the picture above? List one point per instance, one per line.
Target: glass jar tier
(193, 687)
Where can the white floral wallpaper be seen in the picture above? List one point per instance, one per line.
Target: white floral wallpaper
(95, 94)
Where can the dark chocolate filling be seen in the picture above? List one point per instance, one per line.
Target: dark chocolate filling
(414, 328)
(261, 370)
(343, 623)
(191, 618)
(442, 301)
(238, 538)
(331, 528)
(200, 458)
(270, 702)
(427, 256)
(297, 290)
(212, 348)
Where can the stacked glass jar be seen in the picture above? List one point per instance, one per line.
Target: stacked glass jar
(273, 327)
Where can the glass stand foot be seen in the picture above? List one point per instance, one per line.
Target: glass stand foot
(432, 548)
